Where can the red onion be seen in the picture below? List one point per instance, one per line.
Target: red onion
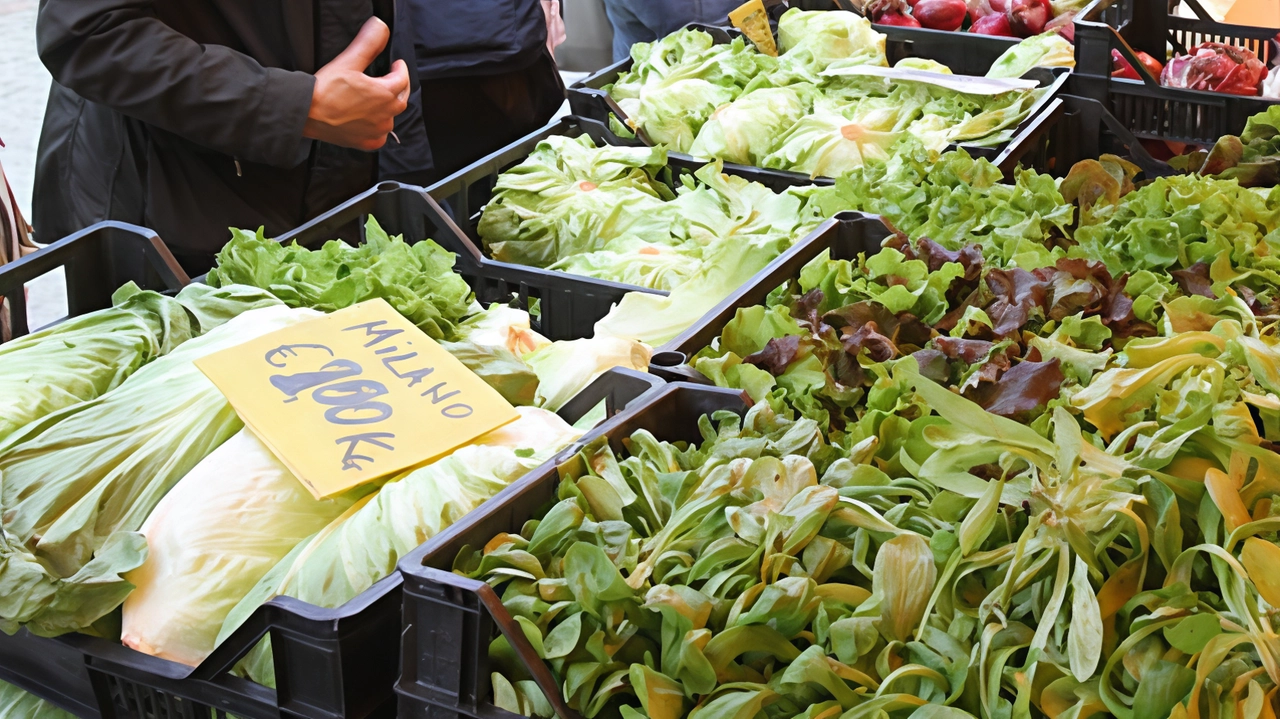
(941, 14)
(893, 17)
(1028, 17)
(891, 12)
(996, 24)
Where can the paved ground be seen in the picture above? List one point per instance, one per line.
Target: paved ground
(24, 85)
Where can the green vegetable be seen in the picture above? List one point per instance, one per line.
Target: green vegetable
(79, 483)
(821, 108)
(362, 546)
(417, 280)
(17, 704)
(214, 535)
(1045, 50)
(85, 357)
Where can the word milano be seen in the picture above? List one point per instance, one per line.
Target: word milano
(379, 393)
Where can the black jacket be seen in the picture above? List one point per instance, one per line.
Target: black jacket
(469, 38)
(186, 116)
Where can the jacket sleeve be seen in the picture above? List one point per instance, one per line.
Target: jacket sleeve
(119, 54)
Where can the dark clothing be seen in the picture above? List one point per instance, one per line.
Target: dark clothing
(469, 38)
(186, 116)
(648, 20)
(471, 117)
(488, 74)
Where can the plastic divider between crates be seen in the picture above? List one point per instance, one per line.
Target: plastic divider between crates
(97, 261)
(449, 620)
(1147, 108)
(329, 663)
(568, 305)
(965, 53)
(1076, 128)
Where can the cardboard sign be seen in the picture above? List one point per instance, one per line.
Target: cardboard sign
(353, 396)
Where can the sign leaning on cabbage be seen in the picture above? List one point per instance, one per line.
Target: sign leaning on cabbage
(129, 479)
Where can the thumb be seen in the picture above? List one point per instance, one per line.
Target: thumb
(397, 81)
(364, 49)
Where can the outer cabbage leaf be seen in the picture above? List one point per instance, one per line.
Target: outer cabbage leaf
(86, 356)
(566, 368)
(363, 545)
(79, 483)
(1048, 49)
(746, 130)
(231, 519)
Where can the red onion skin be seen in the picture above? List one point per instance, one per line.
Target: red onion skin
(897, 19)
(941, 14)
(1028, 17)
(995, 24)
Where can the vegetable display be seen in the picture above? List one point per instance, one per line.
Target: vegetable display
(1005, 18)
(1020, 462)
(1252, 158)
(823, 107)
(1209, 66)
(144, 492)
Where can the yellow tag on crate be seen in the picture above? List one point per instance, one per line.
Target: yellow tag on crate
(753, 20)
(354, 396)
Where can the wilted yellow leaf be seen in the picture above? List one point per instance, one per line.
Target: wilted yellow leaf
(1261, 559)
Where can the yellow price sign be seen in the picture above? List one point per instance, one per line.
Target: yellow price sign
(353, 396)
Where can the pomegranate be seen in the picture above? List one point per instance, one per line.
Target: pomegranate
(1028, 17)
(941, 14)
(994, 24)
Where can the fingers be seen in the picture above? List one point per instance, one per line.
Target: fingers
(364, 49)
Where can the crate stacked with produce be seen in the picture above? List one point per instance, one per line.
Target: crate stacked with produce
(160, 560)
(829, 101)
(1167, 77)
(1017, 460)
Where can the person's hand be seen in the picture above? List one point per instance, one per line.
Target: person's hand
(350, 108)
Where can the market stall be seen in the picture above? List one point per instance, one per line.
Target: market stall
(845, 371)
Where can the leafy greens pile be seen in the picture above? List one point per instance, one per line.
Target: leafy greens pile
(130, 483)
(825, 106)
(1023, 461)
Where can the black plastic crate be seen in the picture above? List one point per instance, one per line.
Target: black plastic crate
(329, 663)
(1148, 109)
(569, 305)
(449, 620)
(466, 192)
(97, 260)
(847, 235)
(1077, 128)
(965, 53)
